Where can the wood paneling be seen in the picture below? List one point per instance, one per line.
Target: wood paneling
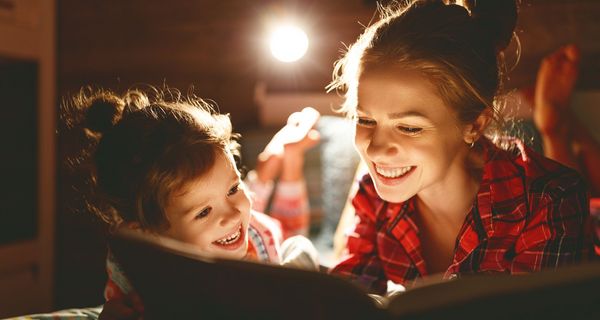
(545, 25)
(217, 46)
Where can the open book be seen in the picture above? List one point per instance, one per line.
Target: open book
(175, 282)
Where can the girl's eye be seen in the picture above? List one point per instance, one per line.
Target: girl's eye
(365, 122)
(234, 190)
(203, 213)
(410, 130)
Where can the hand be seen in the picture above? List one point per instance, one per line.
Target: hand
(125, 308)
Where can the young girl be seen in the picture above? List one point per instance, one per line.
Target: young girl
(168, 168)
(445, 193)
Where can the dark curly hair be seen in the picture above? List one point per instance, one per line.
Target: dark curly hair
(145, 147)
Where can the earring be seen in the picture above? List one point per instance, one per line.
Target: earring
(472, 144)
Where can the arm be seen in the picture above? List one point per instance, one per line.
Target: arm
(555, 234)
(361, 264)
(122, 302)
(117, 284)
(347, 216)
(122, 308)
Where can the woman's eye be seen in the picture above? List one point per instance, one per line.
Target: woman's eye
(203, 213)
(365, 122)
(233, 190)
(410, 130)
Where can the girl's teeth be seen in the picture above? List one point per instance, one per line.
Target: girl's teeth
(231, 239)
(392, 172)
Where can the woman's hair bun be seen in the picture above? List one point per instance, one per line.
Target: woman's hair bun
(104, 111)
(496, 17)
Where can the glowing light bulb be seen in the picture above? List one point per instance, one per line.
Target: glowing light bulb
(288, 43)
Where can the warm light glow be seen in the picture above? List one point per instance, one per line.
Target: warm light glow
(289, 43)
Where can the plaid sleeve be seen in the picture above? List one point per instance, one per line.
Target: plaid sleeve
(362, 264)
(117, 284)
(555, 234)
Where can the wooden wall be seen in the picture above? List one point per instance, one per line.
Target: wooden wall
(218, 47)
(545, 25)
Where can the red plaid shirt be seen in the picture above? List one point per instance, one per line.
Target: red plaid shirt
(529, 214)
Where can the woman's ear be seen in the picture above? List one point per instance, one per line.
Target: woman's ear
(473, 131)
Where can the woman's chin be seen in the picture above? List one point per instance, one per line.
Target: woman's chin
(392, 196)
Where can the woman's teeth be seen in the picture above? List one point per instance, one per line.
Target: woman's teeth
(392, 172)
(231, 238)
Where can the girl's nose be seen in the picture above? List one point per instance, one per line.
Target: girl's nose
(230, 215)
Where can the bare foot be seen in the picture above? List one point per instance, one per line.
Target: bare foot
(556, 79)
(290, 141)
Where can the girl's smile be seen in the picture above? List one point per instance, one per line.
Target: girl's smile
(231, 241)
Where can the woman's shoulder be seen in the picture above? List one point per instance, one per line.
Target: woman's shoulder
(549, 177)
(549, 184)
(553, 178)
(538, 174)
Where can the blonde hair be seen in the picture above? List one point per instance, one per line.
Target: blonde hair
(458, 48)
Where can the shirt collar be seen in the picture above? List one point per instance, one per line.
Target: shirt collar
(502, 178)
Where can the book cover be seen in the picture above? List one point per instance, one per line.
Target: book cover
(176, 282)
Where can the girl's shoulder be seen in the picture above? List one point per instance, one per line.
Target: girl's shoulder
(265, 223)
(264, 237)
(117, 284)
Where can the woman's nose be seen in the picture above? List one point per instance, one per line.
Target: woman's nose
(381, 144)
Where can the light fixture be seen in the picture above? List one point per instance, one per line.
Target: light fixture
(288, 43)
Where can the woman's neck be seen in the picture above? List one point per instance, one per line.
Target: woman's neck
(450, 200)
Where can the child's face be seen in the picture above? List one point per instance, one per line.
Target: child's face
(410, 140)
(212, 212)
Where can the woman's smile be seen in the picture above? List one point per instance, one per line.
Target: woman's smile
(393, 175)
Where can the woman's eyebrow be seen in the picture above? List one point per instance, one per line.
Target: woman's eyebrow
(411, 113)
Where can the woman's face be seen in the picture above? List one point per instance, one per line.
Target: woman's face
(411, 141)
